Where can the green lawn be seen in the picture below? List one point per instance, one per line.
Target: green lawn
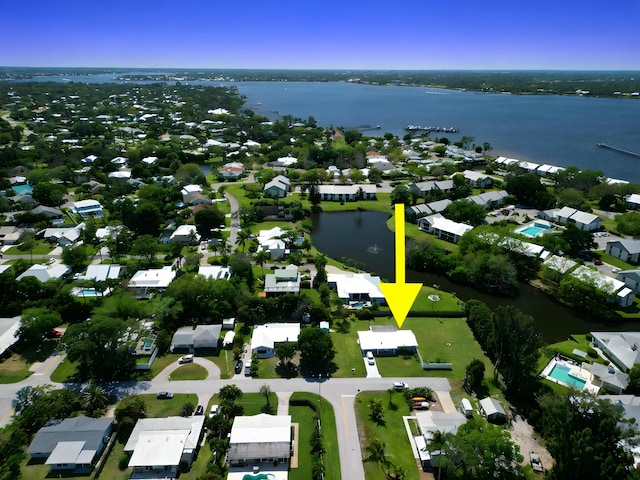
(304, 417)
(616, 262)
(189, 372)
(39, 249)
(391, 432)
(255, 403)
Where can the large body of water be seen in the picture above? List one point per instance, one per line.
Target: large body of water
(360, 231)
(558, 130)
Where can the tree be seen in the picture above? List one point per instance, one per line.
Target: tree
(206, 220)
(285, 351)
(474, 374)
(94, 399)
(75, 256)
(316, 351)
(230, 393)
(465, 211)
(376, 454)
(377, 410)
(128, 411)
(27, 244)
(35, 323)
(401, 194)
(265, 391)
(261, 257)
(529, 190)
(243, 236)
(146, 247)
(577, 240)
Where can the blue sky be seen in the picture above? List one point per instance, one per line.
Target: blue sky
(402, 34)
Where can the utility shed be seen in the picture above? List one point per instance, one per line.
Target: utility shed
(492, 410)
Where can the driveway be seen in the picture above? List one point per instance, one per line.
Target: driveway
(212, 369)
(372, 370)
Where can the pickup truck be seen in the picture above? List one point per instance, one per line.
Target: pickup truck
(534, 458)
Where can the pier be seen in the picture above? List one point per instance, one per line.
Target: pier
(420, 128)
(617, 149)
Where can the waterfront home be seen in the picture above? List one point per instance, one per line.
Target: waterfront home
(386, 340)
(88, 208)
(424, 209)
(282, 281)
(625, 250)
(160, 447)
(633, 201)
(430, 422)
(423, 189)
(260, 439)
(72, 443)
(616, 291)
(584, 221)
(271, 241)
(146, 282)
(477, 179)
(492, 410)
(44, 273)
(347, 193)
(622, 348)
(356, 287)
(200, 336)
(265, 337)
(278, 187)
(631, 279)
(607, 377)
(443, 227)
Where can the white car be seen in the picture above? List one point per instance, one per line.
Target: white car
(213, 411)
(400, 386)
(370, 359)
(186, 359)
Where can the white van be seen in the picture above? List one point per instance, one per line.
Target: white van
(186, 359)
(247, 368)
(467, 409)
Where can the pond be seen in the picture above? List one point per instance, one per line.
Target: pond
(365, 238)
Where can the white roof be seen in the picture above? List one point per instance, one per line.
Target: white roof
(491, 406)
(601, 281)
(150, 160)
(560, 264)
(185, 231)
(346, 189)
(354, 283)
(431, 421)
(271, 333)
(120, 174)
(190, 189)
(85, 204)
(438, 222)
(287, 161)
(261, 428)
(370, 340)
(66, 452)
(45, 273)
(9, 332)
(100, 273)
(217, 272)
(154, 278)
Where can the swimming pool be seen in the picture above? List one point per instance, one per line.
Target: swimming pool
(19, 189)
(561, 373)
(534, 229)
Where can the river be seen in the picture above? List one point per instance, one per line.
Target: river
(362, 233)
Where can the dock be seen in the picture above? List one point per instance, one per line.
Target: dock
(618, 149)
(420, 128)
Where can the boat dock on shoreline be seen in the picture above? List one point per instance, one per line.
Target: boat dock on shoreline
(420, 128)
(617, 149)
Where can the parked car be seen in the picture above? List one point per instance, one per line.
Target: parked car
(597, 261)
(214, 410)
(421, 405)
(186, 359)
(400, 386)
(370, 359)
(238, 367)
(199, 410)
(164, 395)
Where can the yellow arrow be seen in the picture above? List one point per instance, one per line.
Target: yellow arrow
(400, 296)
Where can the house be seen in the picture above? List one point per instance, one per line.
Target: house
(356, 287)
(607, 377)
(278, 187)
(490, 200)
(64, 236)
(160, 447)
(616, 291)
(584, 221)
(231, 170)
(88, 209)
(492, 410)
(265, 337)
(282, 281)
(200, 336)
(44, 273)
(386, 340)
(619, 347)
(271, 241)
(477, 179)
(185, 234)
(8, 330)
(52, 213)
(347, 193)
(633, 201)
(216, 272)
(259, 439)
(190, 190)
(146, 282)
(101, 273)
(72, 443)
(194, 199)
(443, 227)
(625, 250)
(631, 279)
(422, 189)
(10, 235)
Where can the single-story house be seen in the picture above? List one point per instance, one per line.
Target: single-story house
(356, 287)
(101, 273)
(260, 438)
(477, 179)
(347, 193)
(423, 189)
(584, 221)
(265, 337)
(216, 272)
(9, 331)
(64, 236)
(631, 279)
(190, 190)
(161, 446)
(490, 200)
(386, 340)
(200, 336)
(231, 170)
(616, 290)
(619, 347)
(49, 212)
(72, 443)
(492, 410)
(185, 234)
(625, 250)
(44, 273)
(424, 209)
(195, 199)
(10, 235)
(443, 227)
(282, 281)
(633, 201)
(88, 209)
(607, 377)
(145, 282)
(278, 187)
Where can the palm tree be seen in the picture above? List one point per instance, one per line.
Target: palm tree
(262, 256)
(376, 454)
(438, 441)
(94, 398)
(243, 236)
(266, 391)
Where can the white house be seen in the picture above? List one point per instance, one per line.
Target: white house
(190, 190)
(64, 236)
(265, 337)
(631, 279)
(101, 273)
(88, 208)
(633, 201)
(44, 273)
(625, 250)
(347, 193)
(146, 282)
(607, 377)
(160, 446)
(584, 221)
(424, 188)
(477, 179)
(216, 272)
(443, 227)
(259, 439)
(616, 290)
(491, 199)
(386, 340)
(200, 336)
(185, 234)
(619, 347)
(282, 281)
(356, 287)
(231, 170)
(271, 241)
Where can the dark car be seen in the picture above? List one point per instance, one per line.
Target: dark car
(164, 395)
(597, 261)
(199, 410)
(238, 367)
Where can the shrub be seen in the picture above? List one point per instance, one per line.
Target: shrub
(123, 461)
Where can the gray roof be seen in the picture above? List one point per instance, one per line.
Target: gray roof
(609, 375)
(631, 246)
(91, 431)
